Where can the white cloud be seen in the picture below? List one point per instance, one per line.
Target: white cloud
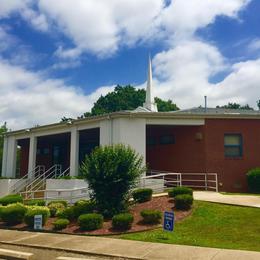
(183, 74)
(9, 6)
(101, 27)
(183, 18)
(29, 99)
(254, 45)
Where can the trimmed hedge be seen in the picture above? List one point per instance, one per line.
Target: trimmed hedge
(83, 207)
(13, 214)
(64, 202)
(67, 213)
(55, 208)
(35, 202)
(122, 221)
(142, 195)
(253, 180)
(90, 221)
(36, 210)
(1, 208)
(183, 201)
(60, 224)
(151, 216)
(12, 198)
(179, 191)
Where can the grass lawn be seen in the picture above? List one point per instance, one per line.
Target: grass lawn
(211, 225)
(248, 194)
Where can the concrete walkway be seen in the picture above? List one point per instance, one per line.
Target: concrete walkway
(241, 200)
(121, 249)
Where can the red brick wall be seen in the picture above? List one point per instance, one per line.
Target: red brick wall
(186, 155)
(24, 156)
(207, 155)
(231, 172)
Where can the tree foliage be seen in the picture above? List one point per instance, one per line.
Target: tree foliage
(125, 98)
(111, 172)
(234, 105)
(3, 130)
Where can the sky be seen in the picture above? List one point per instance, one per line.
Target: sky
(58, 57)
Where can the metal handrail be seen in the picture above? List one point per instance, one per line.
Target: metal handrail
(30, 176)
(50, 171)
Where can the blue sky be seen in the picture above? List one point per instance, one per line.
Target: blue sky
(58, 57)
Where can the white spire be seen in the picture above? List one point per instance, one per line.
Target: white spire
(149, 100)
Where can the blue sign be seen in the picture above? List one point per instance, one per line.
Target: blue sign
(168, 223)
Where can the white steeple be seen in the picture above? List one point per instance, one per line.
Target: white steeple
(149, 100)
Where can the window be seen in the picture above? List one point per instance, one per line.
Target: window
(167, 139)
(151, 140)
(233, 145)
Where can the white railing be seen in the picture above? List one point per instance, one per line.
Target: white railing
(38, 182)
(26, 179)
(159, 181)
(71, 195)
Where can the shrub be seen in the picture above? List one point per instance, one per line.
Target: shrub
(183, 201)
(122, 221)
(36, 210)
(64, 202)
(90, 221)
(12, 198)
(60, 224)
(253, 180)
(111, 172)
(83, 207)
(151, 216)
(35, 202)
(13, 213)
(142, 195)
(1, 208)
(55, 207)
(179, 190)
(67, 213)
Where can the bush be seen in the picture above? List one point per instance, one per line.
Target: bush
(253, 180)
(67, 213)
(1, 208)
(179, 191)
(111, 172)
(12, 198)
(36, 210)
(56, 207)
(142, 195)
(13, 213)
(90, 221)
(183, 201)
(122, 221)
(35, 202)
(151, 216)
(64, 202)
(83, 207)
(60, 224)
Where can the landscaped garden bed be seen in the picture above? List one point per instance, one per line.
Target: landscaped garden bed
(163, 203)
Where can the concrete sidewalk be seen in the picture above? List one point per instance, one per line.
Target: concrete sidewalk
(241, 200)
(123, 249)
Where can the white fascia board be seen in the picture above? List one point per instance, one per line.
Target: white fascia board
(164, 121)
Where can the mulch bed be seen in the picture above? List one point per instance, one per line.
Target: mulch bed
(163, 203)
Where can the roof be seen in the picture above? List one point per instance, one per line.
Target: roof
(193, 113)
(218, 111)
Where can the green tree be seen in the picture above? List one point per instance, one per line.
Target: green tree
(235, 105)
(125, 98)
(3, 130)
(258, 103)
(111, 172)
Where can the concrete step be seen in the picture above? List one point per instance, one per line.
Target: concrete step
(14, 255)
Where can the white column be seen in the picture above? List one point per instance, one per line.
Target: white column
(11, 157)
(74, 152)
(32, 155)
(4, 159)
